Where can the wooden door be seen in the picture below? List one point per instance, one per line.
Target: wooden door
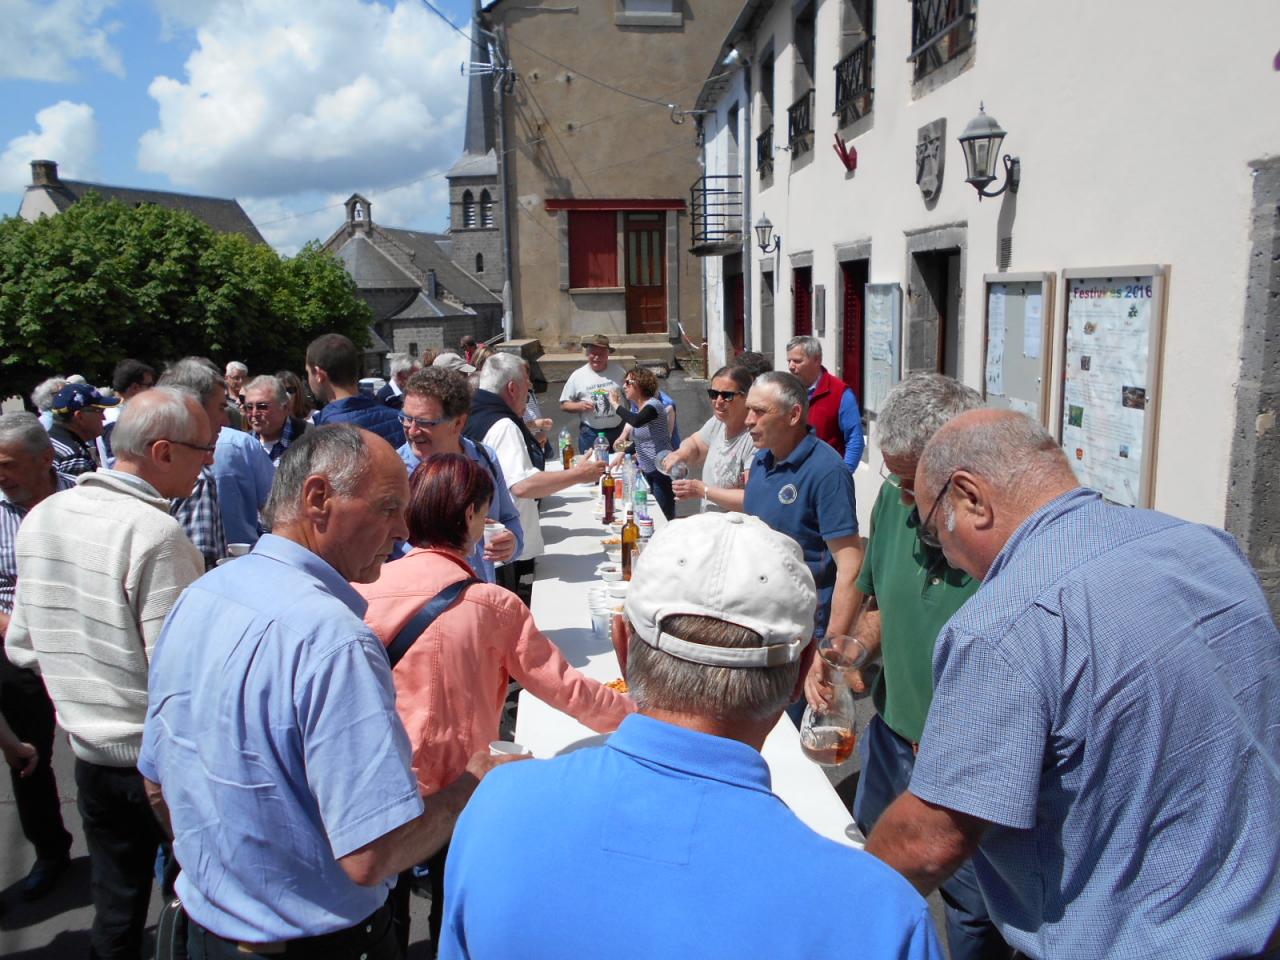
(646, 272)
(802, 301)
(737, 314)
(854, 276)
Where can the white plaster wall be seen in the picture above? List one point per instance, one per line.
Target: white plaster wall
(715, 156)
(35, 204)
(1135, 123)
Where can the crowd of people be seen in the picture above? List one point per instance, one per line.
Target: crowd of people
(279, 617)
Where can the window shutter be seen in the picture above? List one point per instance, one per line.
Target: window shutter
(593, 248)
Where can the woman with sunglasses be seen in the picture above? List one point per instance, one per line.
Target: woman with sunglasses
(723, 446)
(647, 428)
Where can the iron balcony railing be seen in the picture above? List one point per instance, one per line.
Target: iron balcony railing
(800, 125)
(940, 29)
(716, 203)
(853, 83)
(764, 153)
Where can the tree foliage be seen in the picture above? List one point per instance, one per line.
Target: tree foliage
(104, 281)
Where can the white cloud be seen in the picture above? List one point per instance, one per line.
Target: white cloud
(42, 40)
(67, 134)
(284, 97)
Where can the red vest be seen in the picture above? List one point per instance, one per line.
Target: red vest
(824, 410)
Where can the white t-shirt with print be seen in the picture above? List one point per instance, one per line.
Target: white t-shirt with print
(585, 384)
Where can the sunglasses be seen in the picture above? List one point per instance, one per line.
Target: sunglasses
(422, 423)
(257, 407)
(725, 395)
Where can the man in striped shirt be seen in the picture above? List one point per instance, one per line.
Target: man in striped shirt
(78, 420)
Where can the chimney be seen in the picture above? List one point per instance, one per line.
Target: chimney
(44, 173)
(433, 291)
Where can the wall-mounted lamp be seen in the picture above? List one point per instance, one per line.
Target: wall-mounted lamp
(980, 143)
(764, 229)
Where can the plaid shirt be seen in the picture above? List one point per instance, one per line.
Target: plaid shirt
(11, 516)
(201, 518)
(293, 429)
(71, 455)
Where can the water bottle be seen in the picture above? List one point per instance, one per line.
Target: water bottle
(641, 496)
(601, 448)
(628, 479)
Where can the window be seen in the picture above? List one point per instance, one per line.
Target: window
(941, 30)
(800, 113)
(486, 209)
(593, 248)
(468, 209)
(359, 211)
(853, 72)
(479, 263)
(802, 301)
(764, 142)
(413, 348)
(649, 13)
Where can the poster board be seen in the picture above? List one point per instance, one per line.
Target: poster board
(1017, 343)
(1113, 339)
(882, 343)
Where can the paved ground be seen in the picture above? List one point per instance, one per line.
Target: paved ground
(56, 928)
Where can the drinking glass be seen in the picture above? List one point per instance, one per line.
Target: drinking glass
(828, 736)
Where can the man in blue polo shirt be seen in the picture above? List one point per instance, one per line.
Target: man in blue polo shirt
(799, 486)
(668, 840)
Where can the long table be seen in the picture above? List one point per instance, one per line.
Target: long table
(564, 573)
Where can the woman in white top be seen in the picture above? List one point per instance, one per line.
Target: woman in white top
(723, 447)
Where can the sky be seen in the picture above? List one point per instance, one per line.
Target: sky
(290, 106)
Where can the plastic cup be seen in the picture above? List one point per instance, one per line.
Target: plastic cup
(508, 748)
(491, 530)
(238, 549)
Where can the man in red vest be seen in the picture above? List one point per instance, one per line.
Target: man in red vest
(833, 409)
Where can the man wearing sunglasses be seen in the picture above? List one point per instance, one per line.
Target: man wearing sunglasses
(916, 593)
(266, 413)
(1102, 737)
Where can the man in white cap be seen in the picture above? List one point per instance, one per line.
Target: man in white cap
(668, 841)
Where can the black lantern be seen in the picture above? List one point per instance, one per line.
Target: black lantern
(764, 230)
(980, 143)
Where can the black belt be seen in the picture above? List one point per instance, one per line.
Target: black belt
(368, 931)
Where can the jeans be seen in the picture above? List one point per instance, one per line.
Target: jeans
(372, 939)
(587, 436)
(122, 835)
(887, 762)
(660, 484)
(29, 711)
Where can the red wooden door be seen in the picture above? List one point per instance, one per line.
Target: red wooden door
(802, 301)
(855, 280)
(737, 311)
(646, 273)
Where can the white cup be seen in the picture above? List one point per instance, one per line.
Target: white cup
(238, 549)
(491, 530)
(505, 748)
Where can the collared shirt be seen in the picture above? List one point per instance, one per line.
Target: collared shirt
(665, 842)
(244, 473)
(201, 518)
(11, 516)
(507, 442)
(1108, 700)
(71, 455)
(809, 497)
(272, 729)
(917, 592)
(293, 428)
(501, 508)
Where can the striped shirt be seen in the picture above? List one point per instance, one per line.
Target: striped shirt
(71, 455)
(11, 516)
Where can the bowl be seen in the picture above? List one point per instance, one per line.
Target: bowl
(618, 588)
(609, 572)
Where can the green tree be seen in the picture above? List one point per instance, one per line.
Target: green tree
(104, 281)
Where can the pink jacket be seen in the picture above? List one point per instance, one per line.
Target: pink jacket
(451, 685)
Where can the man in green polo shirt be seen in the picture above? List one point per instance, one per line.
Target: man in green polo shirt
(916, 593)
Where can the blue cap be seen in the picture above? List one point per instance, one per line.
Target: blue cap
(77, 396)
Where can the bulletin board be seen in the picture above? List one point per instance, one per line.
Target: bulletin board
(1017, 346)
(1113, 340)
(882, 338)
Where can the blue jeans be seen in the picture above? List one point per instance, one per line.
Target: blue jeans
(587, 436)
(887, 762)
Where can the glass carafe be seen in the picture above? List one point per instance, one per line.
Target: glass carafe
(828, 736)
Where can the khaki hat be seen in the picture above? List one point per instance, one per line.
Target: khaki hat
(596, 340)
(451, 361)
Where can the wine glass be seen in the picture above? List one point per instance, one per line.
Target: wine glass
(679, 471)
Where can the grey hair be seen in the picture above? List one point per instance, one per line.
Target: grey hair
(140, 425)
(194, 375)
(42, 396)
(1012, 452)
(917, 408)
(400, 363)
(235, 366)
(24, 428)
(811, 346)
(335, 451)
(268, 382)
(788, 387)
(657, 680)
(499, 370)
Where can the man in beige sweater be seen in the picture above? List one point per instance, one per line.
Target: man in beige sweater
(99, 567)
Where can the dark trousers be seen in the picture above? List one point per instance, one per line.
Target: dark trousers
(373, 938)
(400, 899)
(29, 711)
(517, 576)
(660, 484)
(587, 436)
(122, 835)
(887, 762)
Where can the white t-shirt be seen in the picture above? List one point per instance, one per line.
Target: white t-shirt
(585, 384)
(506, 440)
(726, 459)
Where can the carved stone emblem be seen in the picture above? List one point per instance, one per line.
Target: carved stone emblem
(931, 140)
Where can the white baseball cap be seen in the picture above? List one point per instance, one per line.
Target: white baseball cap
(452, 361)
(731, 567)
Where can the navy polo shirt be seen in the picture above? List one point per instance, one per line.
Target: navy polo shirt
(809, 497)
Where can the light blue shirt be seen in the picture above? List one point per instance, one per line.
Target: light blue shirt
(272, 728)
(501, 508)
(850, 420)
(243, 473)
(1109, 701)
(665, 842)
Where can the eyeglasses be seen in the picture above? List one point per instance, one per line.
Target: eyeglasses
(422, 423)
(725, 395)
(889, 478)
(928, 533)
(183, 443)
(291, 390)
(257, 407)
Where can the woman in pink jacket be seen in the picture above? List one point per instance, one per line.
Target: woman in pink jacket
(451, 685)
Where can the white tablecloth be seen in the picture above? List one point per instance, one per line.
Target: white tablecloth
(564, 572)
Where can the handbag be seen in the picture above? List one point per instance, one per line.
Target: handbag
(426, 616)
(171, 932)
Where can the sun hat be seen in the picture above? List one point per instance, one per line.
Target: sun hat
(451, 361)
(596, 340)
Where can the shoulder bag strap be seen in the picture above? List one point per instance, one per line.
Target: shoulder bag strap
(419, 622)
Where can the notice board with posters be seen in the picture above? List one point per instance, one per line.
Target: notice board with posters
(882, 343)
(1017, 348)
(1113, 331)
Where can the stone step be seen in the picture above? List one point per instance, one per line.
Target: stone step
(556, 367)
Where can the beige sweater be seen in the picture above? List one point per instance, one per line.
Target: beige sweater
(99, 568)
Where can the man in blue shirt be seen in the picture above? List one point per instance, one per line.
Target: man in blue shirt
(272, 744)
(1103, 727)
(333, 373)
(833, 408)
(668, 841)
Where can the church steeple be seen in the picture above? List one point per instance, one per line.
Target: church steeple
(479, 138)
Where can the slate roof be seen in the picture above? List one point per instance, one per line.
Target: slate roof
(370, 269)
(423, 307)
(427, 255)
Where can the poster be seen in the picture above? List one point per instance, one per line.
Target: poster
(1105, 383)
(1032, 326)
(996, 330)
(882, 330)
